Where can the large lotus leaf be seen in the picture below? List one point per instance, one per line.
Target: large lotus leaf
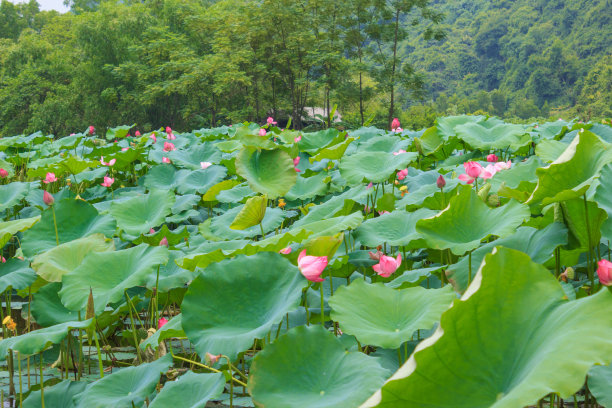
(467, 221)
(171, 329)
(268, 172)
(550, 150)
(603, 198)
(118, 132)
(58, 261)
(194, 155)
(47, 308)
(125, 388)
(162, 177)
(58, 396)
(331, 226)
(308, 187)
(373, 166)
(575, 218)
(38, 340)
(573, 172)
(313, 142)
(424, 192)
(139, 214)
(235, 194)
(174, 237)
(10, 228)
(508, 342)
(334, 152)
(184, 203)
(70, 165)
(553, 130)
(199, 181)
(519, 173)
(11, 194)
(190, 391)
(16, 274)
(538, 244)
(238, 300)
(309, 367)
(252, 213)
(500, 136)
(74, 219)
(336, 205)
(397, 228)
(435, 143)
(170, 275)
(387, 144)
(600, 384)
(219, 227)
(109, 274)
(384, 317)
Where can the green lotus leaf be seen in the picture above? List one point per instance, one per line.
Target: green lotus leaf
(238, 300)
(190, 390)
(508, 342)
(170, 275)
(600, 384)
(47, 308)
(109, 274)
(10, 228)
(313, 142)
(58, 396)
(16, 274)
(341, 204)
(412, 278)
(467, 221)
(163, 177)
(603, 198)
(268, 172)
(11, 194)
(553, 130)
(575, 218)
(572, 173)
(171, 329)
(538, 244)
(137, 215)
(68, 165)
(184, 203)
(522, 172)
(424, 192)
(384, 317)
(174, 237)
(373, 166)
(38, 340)
(308, 187)
(118, 132)
(219, 227)
(199, 181)
(334, 152)
(331, 226)
(126, 388)
(251, 214)
(309, 367)
(74, 219)
(550, 150)
(235, 194)
(192, 157)
(386, 143)
(324, 246)
(500, 136)
(228, 146)
(58, 261)
(397, 228)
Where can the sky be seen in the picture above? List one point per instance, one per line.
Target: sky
(49, 5)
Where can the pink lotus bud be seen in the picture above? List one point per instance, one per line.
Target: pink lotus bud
(153, 137)
(2, 259)
(48, 198)
(312, 266)
(205, 165)
(492, 158)
(125, 149)
(402, 174)
(395, 124)
(369, 186)
(137, 133)
(440, 182)
(151, 231)
(92, 130)
(298, 139)
(211, 359)
(166, 160)
(387, 265)
(161, 322)
(108, 181)
(285, 251)
(3, 173)
(164, 242)
(604, 272)
(50, 178)
(168, 147)
(271, 121)
(296, 161)
(168, 129)
(171, 136)
(262, 132)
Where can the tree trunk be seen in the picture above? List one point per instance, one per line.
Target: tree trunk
(392, 104)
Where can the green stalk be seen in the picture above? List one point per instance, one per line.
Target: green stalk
(20, 382)
(470, 265)
(42, 387)
(100, 366)
(156, 299)
(80, 369)
(262, 231)
(399, 356)
(55, 225)
(133, 330)
(322, 306)
(588, 225)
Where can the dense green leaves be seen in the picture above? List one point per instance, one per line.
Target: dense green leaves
(268, 172)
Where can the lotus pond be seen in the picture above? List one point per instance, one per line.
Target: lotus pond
(464, 265)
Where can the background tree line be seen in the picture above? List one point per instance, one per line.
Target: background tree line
(197, 63)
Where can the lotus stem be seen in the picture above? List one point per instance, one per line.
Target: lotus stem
(80, 369)
(100, 366)
(55, 225)
(399, 356)
(20, 382)
(590, 257)
(42, 385)
(156, 310)
(322, 306)
(470, 265)
(133, 329)
(214, 370)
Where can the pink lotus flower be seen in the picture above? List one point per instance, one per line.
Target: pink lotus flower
(166, 160)
(48, 198)
(168, 147)
(473, 170)
(387, 265)
(271, 121)
(398, 130)
(604, 272)
(440, 182)
(92, 130)
(489, 172)
(137, 133)
(312, 266)
(499, 166)
(400, 151)
(298, 139)
(125, 149)
(110, 163)
(3, 173)
(2, 259)
(50, 178)
(205, 165)
(161, 322)
(108, 181)
(402, 174)
(492, 158)
(171, 136)
(262, 132)
(296, 161)
(153, 137)
(168, 129)
(395, 124)
(151, 231)
(285, 251)
(369, 186)
(164, 242)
